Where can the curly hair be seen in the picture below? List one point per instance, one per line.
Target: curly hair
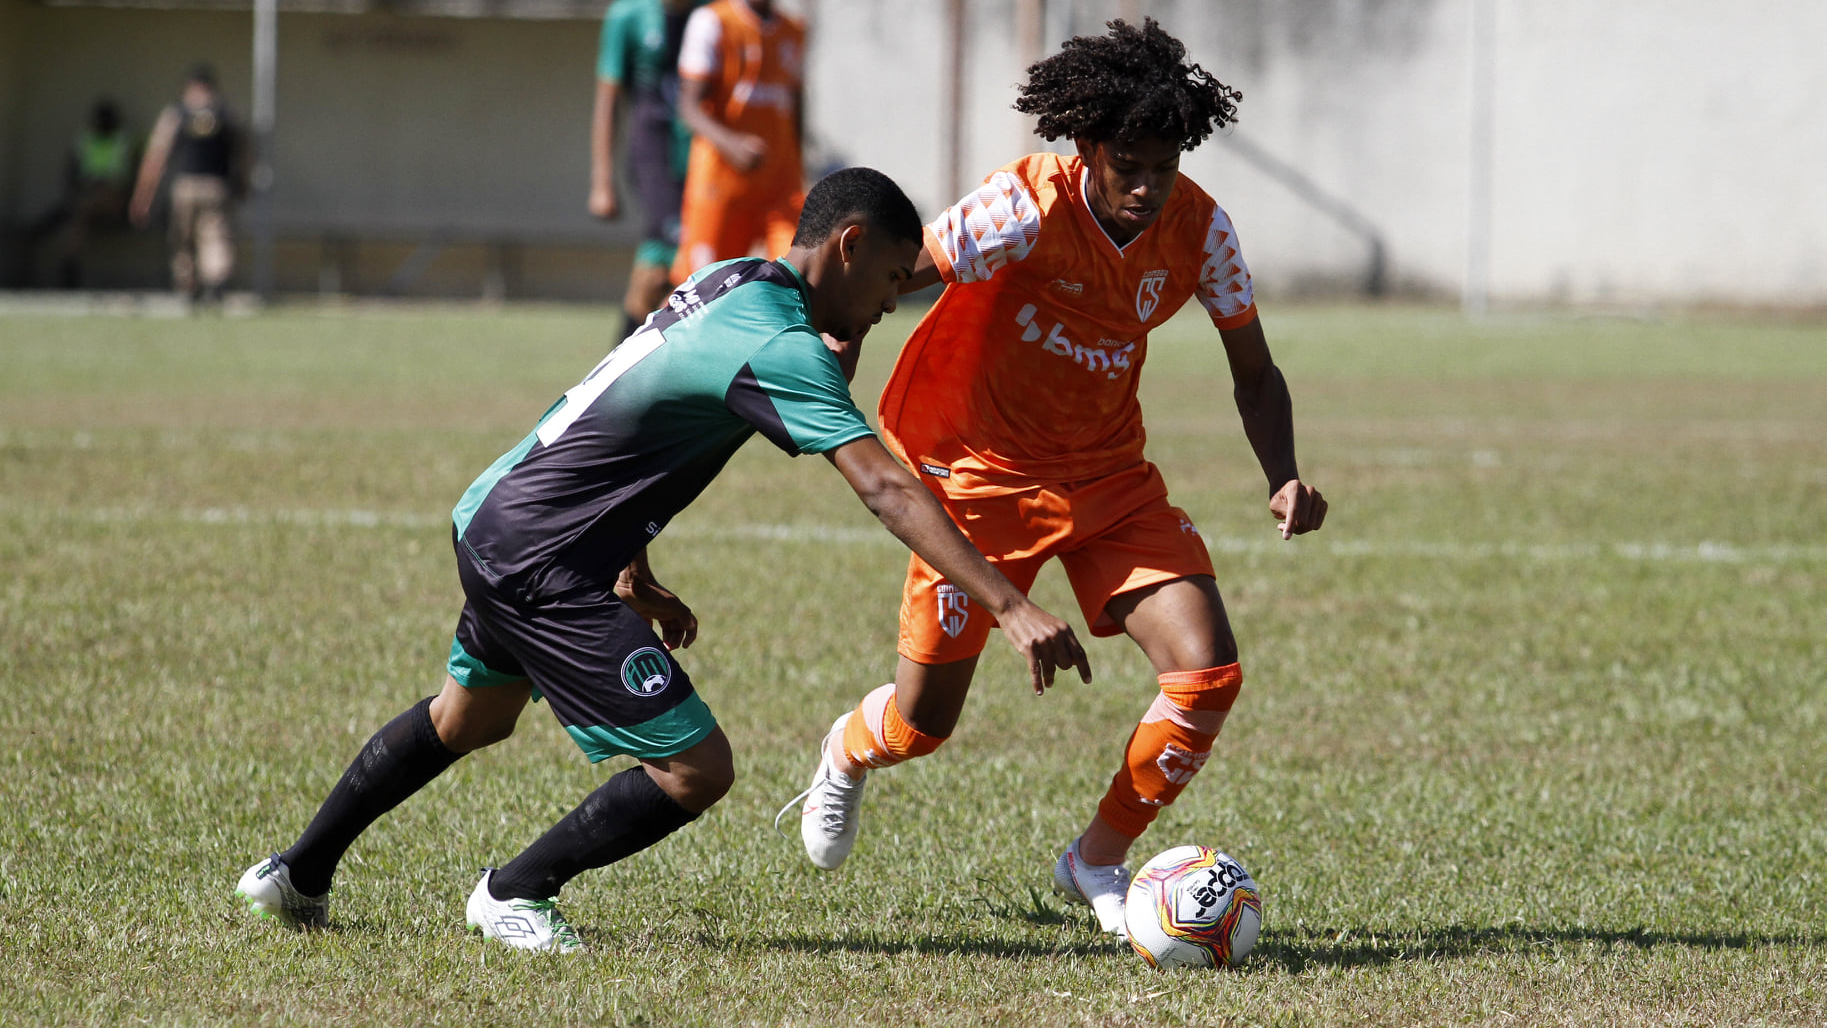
(1129, 84)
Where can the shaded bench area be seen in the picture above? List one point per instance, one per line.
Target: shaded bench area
(344, 260)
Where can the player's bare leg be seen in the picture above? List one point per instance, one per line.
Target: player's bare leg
(470, 719)
(648, 286)
(699, 777)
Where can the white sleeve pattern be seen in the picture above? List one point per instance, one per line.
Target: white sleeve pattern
(994, 226)
(701, 44)
(1224, 280)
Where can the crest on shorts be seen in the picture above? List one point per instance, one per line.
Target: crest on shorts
(1148, 294)
(954, 608)
(646, 671)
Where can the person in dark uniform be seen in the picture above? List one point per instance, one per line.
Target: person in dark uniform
(637, 96)
(199, 141)
(551, 549)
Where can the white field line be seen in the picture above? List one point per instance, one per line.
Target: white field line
(1645, 551)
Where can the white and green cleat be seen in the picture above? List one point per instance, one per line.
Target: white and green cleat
(268, 891)
(520, 923)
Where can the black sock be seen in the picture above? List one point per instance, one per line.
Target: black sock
(630, 323)
(625, 815)
(397, 762)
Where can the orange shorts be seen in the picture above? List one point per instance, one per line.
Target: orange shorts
(1113, 535)
(717, 224)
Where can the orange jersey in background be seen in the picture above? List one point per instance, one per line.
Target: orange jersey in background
(753, 72)
(1026, 368)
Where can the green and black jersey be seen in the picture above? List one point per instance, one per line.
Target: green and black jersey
(629, 447)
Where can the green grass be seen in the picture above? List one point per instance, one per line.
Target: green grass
(1531, 733)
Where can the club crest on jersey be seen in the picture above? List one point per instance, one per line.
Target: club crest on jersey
(1148, 293)
(954, 608)
(646, 671)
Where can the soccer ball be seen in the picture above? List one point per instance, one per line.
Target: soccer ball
(1192, 906)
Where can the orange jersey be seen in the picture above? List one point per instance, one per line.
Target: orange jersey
(1026, 369)
(752, 70)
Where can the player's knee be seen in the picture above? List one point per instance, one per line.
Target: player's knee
(699, 788)
(697, 778)
(483, 735)
(466, 727)
(1206, 691)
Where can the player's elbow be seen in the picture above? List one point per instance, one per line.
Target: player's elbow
(891, 498)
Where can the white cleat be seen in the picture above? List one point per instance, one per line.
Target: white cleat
(268, 891)
(829, 814)
(520, 923)
(1102, 887)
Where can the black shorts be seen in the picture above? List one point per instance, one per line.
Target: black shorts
(596, 663)
(658, 180)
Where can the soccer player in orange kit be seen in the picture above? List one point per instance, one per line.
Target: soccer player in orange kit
(741, 66)
(1015, 402)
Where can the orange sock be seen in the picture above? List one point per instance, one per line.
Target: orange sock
(877, 736)
(1171, 744)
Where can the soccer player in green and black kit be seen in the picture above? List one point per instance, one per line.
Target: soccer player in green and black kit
(637, 99)
(551, 551)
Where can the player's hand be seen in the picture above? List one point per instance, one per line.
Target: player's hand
(744, 151)
(603, 203)
(1046, 642)
(1298, 508)
(677, 625)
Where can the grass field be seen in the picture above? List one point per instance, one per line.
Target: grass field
(1532, 732)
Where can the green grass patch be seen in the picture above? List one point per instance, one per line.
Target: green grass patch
(1531, 732)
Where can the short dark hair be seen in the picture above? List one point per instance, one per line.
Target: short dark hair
(201, 72)
(848, 192)
(1127, 85)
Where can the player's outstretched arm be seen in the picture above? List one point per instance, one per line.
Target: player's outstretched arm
(1268, 422)
(647, 597)
(906, 509)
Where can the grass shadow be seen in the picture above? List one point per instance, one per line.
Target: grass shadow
(1295, 950)
(940, 945)
(1300, 949)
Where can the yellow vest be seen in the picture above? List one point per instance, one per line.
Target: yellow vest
(103, 158)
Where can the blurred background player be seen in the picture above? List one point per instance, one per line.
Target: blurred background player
(637, 95)
(199, 141)
(98, 178)
(741, 94)
(551, 546)
(1015, 399)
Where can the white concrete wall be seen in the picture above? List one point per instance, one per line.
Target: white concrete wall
(1644, 151)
